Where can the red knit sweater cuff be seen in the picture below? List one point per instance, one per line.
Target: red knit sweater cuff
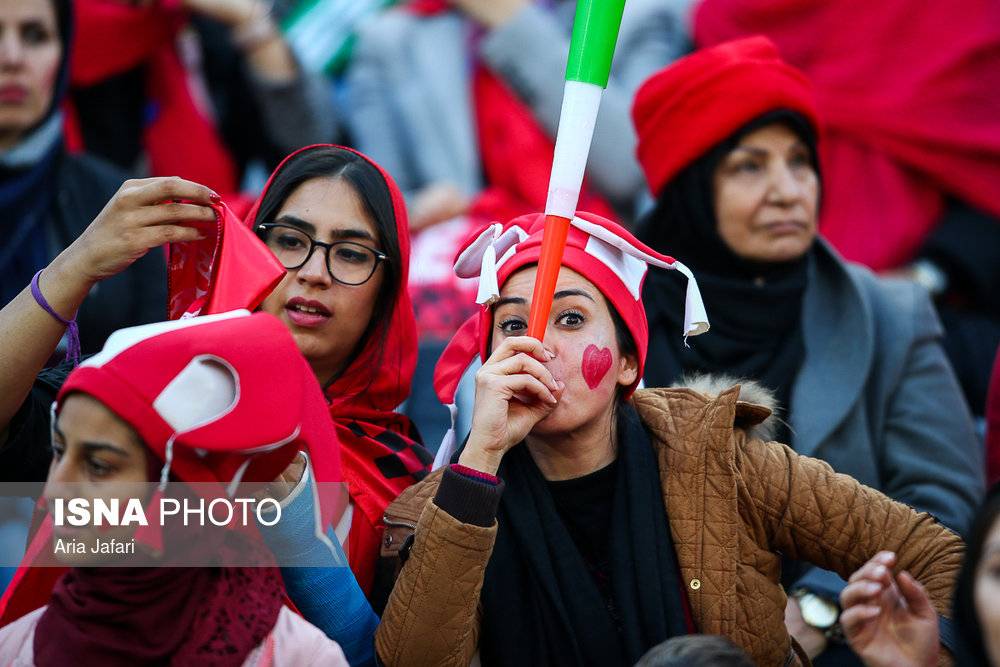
(475, 474)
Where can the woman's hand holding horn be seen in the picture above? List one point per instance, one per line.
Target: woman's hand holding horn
(514, 391)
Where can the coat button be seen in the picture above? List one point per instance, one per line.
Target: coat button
(695, 584)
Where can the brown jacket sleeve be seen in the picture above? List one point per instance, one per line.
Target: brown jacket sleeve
(433, 614)
(811, 513)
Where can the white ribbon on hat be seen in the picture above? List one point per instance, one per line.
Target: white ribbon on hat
(630, 264)
(479, 259)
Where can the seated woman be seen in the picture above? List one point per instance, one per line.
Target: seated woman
(585, 522)
(888, 618)
(126, 417)
(338, 224)
(48, 196)
(728, 138)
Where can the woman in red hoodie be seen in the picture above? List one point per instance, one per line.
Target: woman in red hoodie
(167, 592)
(337, 223)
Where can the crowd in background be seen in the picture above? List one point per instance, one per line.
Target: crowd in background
(877, 334)
(440, 94)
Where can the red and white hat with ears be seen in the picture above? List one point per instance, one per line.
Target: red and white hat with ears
(217, 398)
(600, 250)
(220, 398)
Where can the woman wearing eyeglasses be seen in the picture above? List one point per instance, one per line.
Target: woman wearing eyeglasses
(337, 222)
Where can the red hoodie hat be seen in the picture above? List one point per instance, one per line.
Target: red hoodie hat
(690, 106)
(602, 251)
(200, 392)
(380, 449)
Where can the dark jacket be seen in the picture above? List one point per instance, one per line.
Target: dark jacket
(876, 398)
(137, 295)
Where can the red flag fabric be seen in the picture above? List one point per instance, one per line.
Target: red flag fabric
(910, 101)
(228, 269)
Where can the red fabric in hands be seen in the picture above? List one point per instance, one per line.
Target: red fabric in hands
(227, 270)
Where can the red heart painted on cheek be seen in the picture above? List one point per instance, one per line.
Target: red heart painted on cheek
(596, 364)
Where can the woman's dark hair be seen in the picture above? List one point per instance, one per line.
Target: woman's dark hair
(64, 24)
(64, 19)
(626, 347)
(371, 188)
(964, 613)
(684, 222)
(626, 344)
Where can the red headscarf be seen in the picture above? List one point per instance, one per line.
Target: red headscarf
(380, 449)
(910, 99)
(115, 37)
(202, 615)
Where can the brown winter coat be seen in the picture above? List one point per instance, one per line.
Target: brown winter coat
(733, 501)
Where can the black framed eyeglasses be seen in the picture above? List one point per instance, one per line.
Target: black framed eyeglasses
(348, 262)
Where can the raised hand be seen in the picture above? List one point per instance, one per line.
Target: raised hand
(514, 391)
(889, 620)
(143, 214)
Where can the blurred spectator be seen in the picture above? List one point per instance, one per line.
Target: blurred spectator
(959, 264)
(201, 88)
(913, 105)
(48, 196)
(728, 139)
(460, 102)
(696, 651)
(322, 32)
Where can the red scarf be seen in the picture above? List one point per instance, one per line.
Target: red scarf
(113, 616)
(380, 452)
(515, 151)
(911, 108)
(114, 37)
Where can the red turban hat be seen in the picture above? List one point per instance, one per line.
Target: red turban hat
(685, 109)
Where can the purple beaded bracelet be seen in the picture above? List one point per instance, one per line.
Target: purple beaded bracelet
(72, 330)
